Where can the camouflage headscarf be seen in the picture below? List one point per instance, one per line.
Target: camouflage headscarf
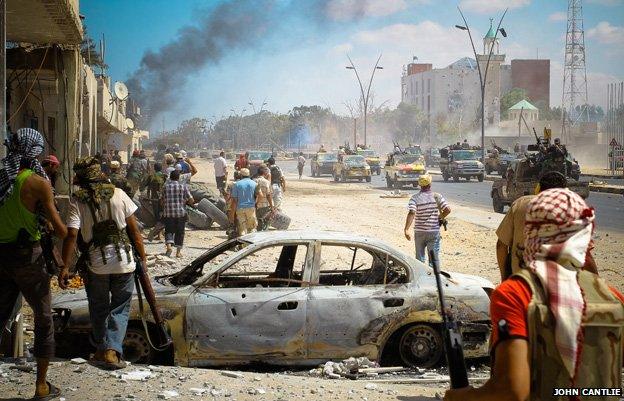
(94, 185)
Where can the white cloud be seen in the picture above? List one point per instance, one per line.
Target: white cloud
(558, 16)
(344, 10)
(341, 49)
(606, 2)
(606, 33)
(490, 6)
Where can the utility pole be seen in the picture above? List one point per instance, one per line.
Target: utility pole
(3, 105)
(574, 71)
(365, 97)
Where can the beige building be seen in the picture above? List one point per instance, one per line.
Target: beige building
(525, 109)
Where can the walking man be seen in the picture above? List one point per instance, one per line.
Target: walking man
(426, 210)
(26, 195)
(264, 198)
(154, 185)
(137, 170)
(118, 180)
(243, 201)
(301, 161)
(101, 220)
(278, 183)
(553, 322)
(176, 196)
(220, 168)
(510, 232)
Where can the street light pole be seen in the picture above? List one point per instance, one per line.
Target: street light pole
(257, 116)
(365, 97)
(240, 121)
(482, 76)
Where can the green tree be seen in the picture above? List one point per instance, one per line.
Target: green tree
(509, 99)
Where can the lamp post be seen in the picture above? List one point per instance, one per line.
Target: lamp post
(240, 120)
(257, 117)
(482, 76)
(365, 97)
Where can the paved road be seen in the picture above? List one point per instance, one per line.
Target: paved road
(609, 207)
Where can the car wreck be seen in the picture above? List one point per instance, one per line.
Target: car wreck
(295, 298)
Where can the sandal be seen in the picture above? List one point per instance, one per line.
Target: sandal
(53, 393)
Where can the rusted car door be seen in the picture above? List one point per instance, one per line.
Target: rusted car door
(348, 295)
(254, 312)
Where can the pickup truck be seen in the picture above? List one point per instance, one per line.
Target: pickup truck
(403, 169)
(461, 163)
(351, 167)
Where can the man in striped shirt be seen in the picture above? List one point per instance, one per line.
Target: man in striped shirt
(426, 209)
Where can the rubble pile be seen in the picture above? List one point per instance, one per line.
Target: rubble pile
(346, 368)
(161, 264)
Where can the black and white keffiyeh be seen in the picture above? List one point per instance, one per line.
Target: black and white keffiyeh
(23, 148)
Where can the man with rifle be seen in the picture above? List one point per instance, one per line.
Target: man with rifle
(556, 325)
(101, 219)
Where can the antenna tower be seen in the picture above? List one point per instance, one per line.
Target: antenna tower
(574, 71)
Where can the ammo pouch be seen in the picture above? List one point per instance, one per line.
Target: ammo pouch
(105, 232)
(19, 253)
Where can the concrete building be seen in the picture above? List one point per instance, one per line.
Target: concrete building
(534, 77)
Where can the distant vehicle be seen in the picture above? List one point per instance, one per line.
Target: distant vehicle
(461, 163)
(498, 162)
(257, 158)
(351, 167)
(521, 179)
(372, 159)
(403, 169)
(432, 157)
(323, 163)
(294, 298)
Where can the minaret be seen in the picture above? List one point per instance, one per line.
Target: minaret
(493, 76)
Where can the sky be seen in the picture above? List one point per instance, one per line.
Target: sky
(287, 53)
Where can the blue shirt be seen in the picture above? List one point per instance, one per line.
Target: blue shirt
(185, 167)
(244, 191)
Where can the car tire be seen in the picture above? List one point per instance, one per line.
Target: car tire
(488, 170)
(497, 203)
(368, 179)
(421, 346)
(480, 177)
(468, 178)
(136, 347)
(445, 177)
(456, 178)
(343, 177)
(336, 179)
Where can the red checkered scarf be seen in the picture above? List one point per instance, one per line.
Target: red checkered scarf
(558, 231)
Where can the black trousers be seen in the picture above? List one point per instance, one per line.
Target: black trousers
(174, 230)
(33, 281)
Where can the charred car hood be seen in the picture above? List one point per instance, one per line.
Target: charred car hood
(76, 298)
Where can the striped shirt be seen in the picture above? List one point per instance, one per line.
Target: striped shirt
(427, 210)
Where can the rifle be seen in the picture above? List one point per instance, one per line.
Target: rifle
(452, 336)
(142, 281)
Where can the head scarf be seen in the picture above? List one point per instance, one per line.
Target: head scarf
(558, 231)
(23, 148)
(94, 185)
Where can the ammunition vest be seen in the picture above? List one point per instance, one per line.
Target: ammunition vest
(601, 353)
(106, 232)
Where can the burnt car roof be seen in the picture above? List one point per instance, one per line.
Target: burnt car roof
(309, 235)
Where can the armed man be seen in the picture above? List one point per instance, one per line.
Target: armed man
(101, 220)
(137, 170)
(118, 180)
(556, 326)
(25, 198)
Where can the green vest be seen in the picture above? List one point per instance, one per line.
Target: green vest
(601, 356)
(14, 215)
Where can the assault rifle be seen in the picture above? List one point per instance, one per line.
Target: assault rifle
(143, 284)
(452, 336)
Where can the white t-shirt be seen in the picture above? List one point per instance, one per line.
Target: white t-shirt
(219, 166)
(80, 217)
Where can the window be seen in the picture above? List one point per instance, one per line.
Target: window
(273, 266)
(347, 265)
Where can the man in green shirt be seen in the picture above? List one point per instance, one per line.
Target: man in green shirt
(25, 198)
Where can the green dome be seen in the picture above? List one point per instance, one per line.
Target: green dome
(491, 33)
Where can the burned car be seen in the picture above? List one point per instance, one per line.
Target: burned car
(296, 298)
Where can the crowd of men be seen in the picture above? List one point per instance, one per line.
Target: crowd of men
(555, 322)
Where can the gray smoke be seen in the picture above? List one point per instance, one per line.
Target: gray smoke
(233, 25)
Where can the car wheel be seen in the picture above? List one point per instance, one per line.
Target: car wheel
(488, 170)
(336, 179)
(136, 347)
(497, 204)
(456, 178)
(343, 177)
(368, 179)
(421, 346)
(480, 177)
(388, 181)
(468, 178)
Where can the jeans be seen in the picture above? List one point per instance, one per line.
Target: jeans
(33, 281)
(429, 240)
(109, 298)
(174, 230)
